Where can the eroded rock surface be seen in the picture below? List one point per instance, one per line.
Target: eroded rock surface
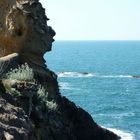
(14, 123)
(24, 30)
(33, 108)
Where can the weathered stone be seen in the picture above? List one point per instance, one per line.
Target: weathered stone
(21, 33)
(14, 123)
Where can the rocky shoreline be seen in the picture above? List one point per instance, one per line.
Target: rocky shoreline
(31, 105)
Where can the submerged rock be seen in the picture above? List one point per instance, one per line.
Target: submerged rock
(31, 106)
(136, 76)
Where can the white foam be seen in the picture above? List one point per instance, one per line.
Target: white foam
(75, 74)
(85, 74)
(67, 86)
(116, 76)
(64, 85)
(122, 134)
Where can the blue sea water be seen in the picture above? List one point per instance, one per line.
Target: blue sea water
(97, 75)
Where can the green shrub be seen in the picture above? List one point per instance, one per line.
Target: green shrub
(42, 99)
(23, 73)
(51, 105)
(42, 95)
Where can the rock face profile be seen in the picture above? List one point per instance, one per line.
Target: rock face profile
(31, 106)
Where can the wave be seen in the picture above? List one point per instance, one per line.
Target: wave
(75, 74)
(67, 86)
(117, 115)
(116, 76)
(122, 134)
(85, 74)
(64, 85)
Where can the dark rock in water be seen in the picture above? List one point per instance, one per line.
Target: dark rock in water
(136, 76)
(31, 106)
(85, 73)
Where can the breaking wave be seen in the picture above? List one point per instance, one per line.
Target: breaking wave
(67, 86)
(85, 74)
(116, 76)
(64, 85)
(122, 134)
(75, 74)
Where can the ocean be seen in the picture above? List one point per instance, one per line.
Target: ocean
(98, 76)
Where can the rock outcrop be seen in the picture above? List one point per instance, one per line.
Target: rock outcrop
(136, 76)
(31, 106)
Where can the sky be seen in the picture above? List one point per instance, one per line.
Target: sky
(94, 19)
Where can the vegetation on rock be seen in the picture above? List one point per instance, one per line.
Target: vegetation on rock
(20, 83)
(22, 73)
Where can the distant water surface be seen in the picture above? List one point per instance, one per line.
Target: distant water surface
(97, 75)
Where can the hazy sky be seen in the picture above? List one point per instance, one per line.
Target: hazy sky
(94, 19)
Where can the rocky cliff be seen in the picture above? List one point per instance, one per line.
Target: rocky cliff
(31, 106)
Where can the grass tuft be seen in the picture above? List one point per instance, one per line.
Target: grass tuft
(23, 73)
